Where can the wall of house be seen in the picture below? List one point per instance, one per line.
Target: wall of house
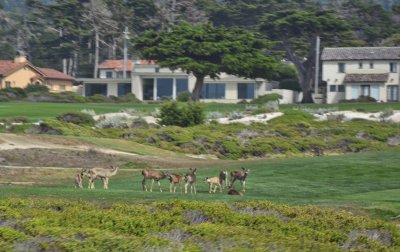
(20, 78)
(330, 74)
(56, 86)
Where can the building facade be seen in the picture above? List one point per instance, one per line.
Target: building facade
(149, 82)
(351, 72)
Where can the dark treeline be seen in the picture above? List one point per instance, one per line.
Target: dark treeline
(75, 35)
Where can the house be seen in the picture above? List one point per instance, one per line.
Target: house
(351, 72)
(148, 81)
(20, 72)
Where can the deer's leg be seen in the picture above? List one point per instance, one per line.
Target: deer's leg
(194, 187)
(144, 184)
(220, 187)
(170, 187)
(159, 185)
(106, 183)
(186, 187)
(233, 181)
(151, 185)
(244, 185)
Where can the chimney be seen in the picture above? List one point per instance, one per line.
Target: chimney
(20, 59)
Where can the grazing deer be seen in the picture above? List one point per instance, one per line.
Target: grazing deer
(78, 179)
(232, 191)
(190, 179)
(101, 173)
(153, 175)
(173, 180)
(223, 178)
(213, 181)
(241, 176)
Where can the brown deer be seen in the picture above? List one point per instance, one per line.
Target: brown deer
(223, 179)
(241, 176)
(78, 179)
(190, 179)
(232, 191)
(173, 180)
(153, 175)
(101, 173)
(213, 181)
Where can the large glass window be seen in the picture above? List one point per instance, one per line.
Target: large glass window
(109, 74)
(181, 86)
(213, 91)
(148, 87)
(124, 89)
(392, 93)
(93, 89)
(164, 87)
(341, 88)
(246, 90)
(332, 88)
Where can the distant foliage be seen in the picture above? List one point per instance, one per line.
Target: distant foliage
(180, 114)
(32, 88)
(266, 98)
(184, 97)
(77, 118)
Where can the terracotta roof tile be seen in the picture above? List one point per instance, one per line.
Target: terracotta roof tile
(117, 65)
(7, 66)
(50, 73)
(351, 78)
(361, 53)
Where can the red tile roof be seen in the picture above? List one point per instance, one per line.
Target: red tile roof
(116, 65)
(7, 66)
(50, 73)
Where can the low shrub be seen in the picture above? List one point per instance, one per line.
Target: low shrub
(180, 114)
(77, 118)
(184, 97)
(38, 88)
(266, 98)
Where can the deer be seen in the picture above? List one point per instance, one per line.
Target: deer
(232, 191)
(223, 178)
(190, 179)
(101, 173)
(213, 181)
(154, 176)
(173, 180)
(241, 176)
(78, 179)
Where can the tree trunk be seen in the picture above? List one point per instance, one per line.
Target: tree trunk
(306, 83)
(198, 87)
(96, 54)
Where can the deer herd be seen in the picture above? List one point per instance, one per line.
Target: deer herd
(220, 182)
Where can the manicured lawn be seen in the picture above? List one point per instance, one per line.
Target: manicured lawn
(367, 107)
(368, 181)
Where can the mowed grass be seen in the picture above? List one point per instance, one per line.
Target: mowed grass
(368, 181)
(36, 111)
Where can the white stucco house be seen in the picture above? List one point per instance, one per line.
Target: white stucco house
(351, 72)
(149, 82)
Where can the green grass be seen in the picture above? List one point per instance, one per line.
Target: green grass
(367, 107)
(367, 180)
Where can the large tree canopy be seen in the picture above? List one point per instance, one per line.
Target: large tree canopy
(296, 30)
(206, 50)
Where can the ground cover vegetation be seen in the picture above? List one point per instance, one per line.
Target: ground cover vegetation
(295, 133)
(187, 226)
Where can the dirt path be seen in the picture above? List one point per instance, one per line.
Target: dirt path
(12, 141)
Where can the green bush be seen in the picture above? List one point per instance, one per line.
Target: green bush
(267, 98)
(77, 118)
(180, 114)
(16, 93)
(291, 84)
(184, 97)
(32, 88)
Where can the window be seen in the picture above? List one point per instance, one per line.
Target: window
(148, 89)
(8, 84)
(157, 69)
(393, 67)
(365, 90)
(213, 91)
(109, 74)
(332, 88)
(340, 88)
(182, 86)
(246, 90)
(392, 93)
(62, 87)
(124, 89)
(341, 67)
(371, 65)
(360, 65)
(164, 87)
